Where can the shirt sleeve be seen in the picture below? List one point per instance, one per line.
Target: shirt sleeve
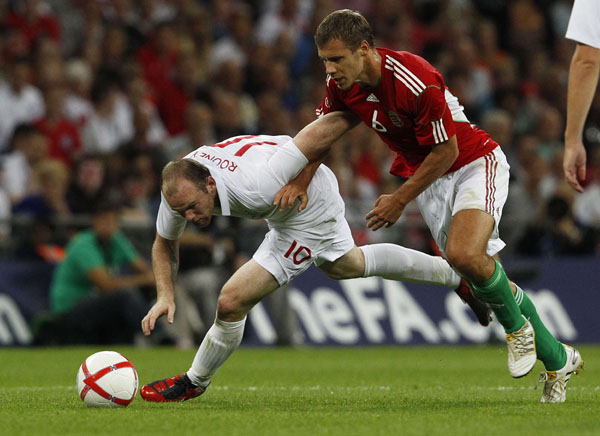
(584, 23)
(287, 162)
(282, 166)
(169, 224)
(433, 120)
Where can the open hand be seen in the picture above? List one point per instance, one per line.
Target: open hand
(574, 165)
(159, 309)
(286, 197)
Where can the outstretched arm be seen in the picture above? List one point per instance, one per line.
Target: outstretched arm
(583, 78)
(388, 208)
(314, 141)
(165, 263)
(107, 282)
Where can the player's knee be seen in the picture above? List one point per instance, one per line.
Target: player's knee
(229, 307)
(341, 273)
(464, 261)
(335, 275)
(350, 266)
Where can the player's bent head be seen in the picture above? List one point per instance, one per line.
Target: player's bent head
(346, 25)
(187, 169)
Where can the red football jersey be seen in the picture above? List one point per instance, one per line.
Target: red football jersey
(411, 110)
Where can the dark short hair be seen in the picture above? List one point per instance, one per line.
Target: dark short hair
(187, 169)
(348, 26)
(106, 81)
(22, 131)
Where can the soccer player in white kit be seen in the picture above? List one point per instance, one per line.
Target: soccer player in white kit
(241, 177)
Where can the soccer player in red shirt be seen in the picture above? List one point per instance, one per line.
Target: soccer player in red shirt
(457, 174)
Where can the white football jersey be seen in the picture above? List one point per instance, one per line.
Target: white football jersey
(584, 23)
(249, 171)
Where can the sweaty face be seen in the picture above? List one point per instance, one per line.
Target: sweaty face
(342, 64)
(192, 203)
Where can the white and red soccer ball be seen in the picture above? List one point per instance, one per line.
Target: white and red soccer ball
(107, 379)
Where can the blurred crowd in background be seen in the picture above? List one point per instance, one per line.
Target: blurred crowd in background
(97, 95)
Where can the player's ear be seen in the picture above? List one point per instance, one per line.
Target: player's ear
(364, 48)
(211, 184)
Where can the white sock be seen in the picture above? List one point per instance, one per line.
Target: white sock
(220, 341)
(394, 262)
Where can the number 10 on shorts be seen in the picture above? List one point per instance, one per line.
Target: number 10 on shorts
(300, 253)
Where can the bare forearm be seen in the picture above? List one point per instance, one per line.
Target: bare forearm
(583, 79)
(433, 167)
(114, 283)
(106, 282)
(309, 171)
(165, 263)
(315, 139)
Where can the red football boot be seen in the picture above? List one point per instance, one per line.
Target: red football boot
(481, 310)
(178, 388)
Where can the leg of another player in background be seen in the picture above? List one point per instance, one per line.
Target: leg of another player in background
(248, 285)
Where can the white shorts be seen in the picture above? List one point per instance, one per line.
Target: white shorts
(481, 184)
(286, 253)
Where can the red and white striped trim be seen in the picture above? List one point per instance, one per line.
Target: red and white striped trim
(403, 74)
(491, 165)
(439, 131)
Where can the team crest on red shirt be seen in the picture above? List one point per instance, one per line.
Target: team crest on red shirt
(327, 103)
(396, 120)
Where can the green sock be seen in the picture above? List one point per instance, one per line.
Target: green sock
(497, 292)
(548, 349)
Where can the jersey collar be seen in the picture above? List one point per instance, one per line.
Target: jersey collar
(369, 87)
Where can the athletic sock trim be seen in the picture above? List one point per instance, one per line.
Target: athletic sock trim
(369, 259)
(519, 295)
(493, 280)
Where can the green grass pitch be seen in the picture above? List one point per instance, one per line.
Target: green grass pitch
(462, 390)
